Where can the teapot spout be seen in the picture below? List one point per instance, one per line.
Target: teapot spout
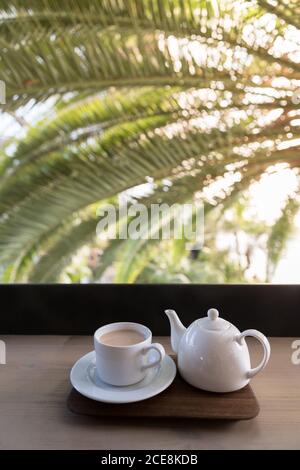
(177, 329)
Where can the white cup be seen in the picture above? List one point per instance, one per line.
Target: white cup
(125, 365)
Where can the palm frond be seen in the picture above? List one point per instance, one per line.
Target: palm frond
(58, 256)
(91, 116)
(92, 57)
(288, 12)
(279, 235)
(184, 90)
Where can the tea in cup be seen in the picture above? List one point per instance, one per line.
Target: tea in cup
(122, 353)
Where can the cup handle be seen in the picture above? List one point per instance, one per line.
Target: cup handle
(159, 349)
(266, 345)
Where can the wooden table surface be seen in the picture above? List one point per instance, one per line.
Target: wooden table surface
(34, 385)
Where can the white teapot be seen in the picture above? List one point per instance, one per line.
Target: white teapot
(212, 354)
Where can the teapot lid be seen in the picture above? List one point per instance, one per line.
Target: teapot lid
(213, 322)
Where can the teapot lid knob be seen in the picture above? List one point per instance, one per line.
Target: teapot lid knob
(213, 314)
(213, 322)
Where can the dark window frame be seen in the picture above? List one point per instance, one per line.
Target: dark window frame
(81, 308)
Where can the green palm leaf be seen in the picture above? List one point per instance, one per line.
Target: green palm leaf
(183, 90)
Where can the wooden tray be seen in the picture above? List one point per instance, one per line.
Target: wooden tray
(180, 400)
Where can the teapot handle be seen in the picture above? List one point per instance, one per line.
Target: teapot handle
(266, 345)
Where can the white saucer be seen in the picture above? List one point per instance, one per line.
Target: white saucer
(86, 381)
